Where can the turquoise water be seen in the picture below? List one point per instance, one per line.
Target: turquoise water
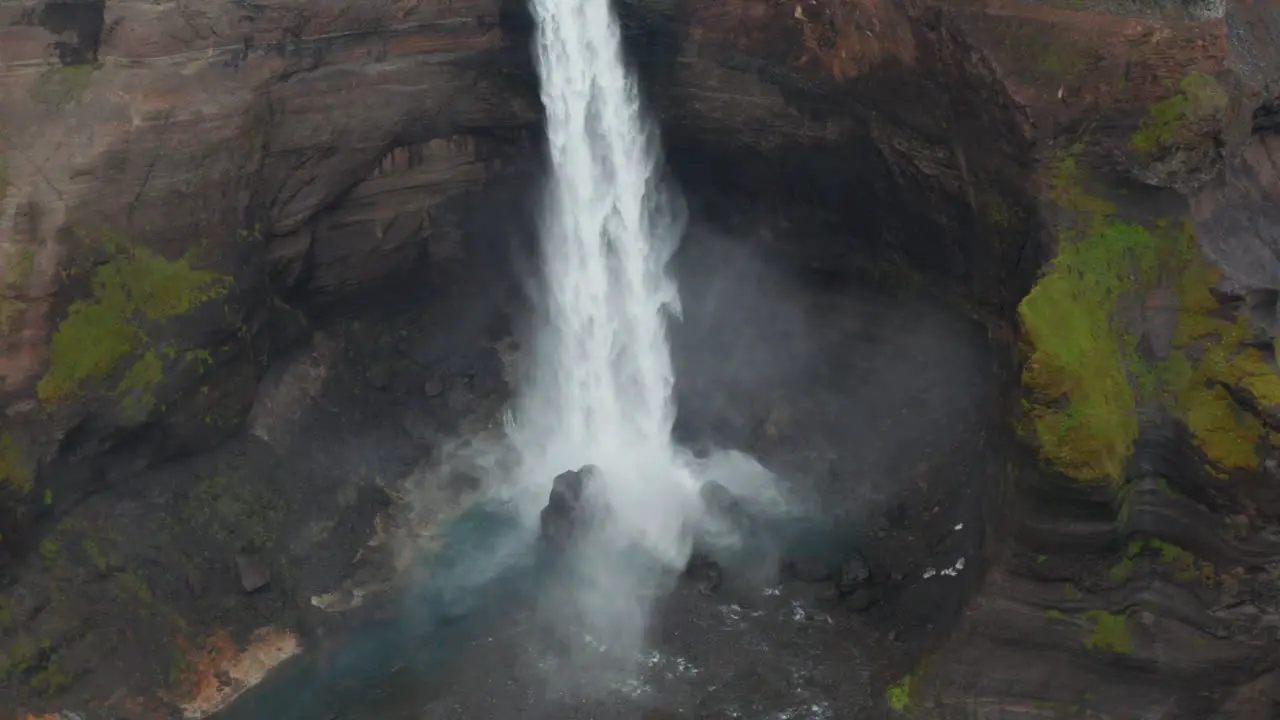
(488, 558)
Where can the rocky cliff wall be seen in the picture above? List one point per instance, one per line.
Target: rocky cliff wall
(1096, 178)
(175, 177)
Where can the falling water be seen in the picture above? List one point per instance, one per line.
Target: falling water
(601, 389)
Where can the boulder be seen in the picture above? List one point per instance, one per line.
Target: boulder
(564, 515)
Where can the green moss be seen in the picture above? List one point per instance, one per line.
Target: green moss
(16, 472)
(24, 265)
(133, 290)
(1078, 373)
(1228, 434)
(97, 556)
(898, 695)
(51, 679)
(1212, 354)
(1000, 213)
(1085, 375)
(133, 588)
(1183, 564)
(37, 663)
(1110, 632)
(11, 314)
(51, 550)
(1122, 572)
(234, 511)
(20, 656)
(1201, 97)
(61, 86)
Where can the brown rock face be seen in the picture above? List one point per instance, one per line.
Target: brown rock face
(296, 149)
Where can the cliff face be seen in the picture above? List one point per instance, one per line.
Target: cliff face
(180, 186)
(1098, 178)
(173, 176)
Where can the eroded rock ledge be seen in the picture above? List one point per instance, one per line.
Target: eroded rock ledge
(1098, 179)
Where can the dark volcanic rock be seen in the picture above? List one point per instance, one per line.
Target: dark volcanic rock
(566, 513)
(854, 571)
(253, 572)
(705, 572)
(809, 570)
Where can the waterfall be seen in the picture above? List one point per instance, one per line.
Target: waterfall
(600, 391)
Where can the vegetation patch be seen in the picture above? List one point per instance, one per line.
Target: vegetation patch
(898, 695)
(16, 472)
(1182, 564)
(1167, 121)
(1085, 373)
(1106, 631)
(1078, 373)
(18, 270)
(234, 512)
(108, 332)
(1110, 632)
(22, 265)
(61, 86)
(37, 663)
(1212, 352)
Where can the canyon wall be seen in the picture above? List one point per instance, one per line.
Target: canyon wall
(1096, 178)
(177, 179)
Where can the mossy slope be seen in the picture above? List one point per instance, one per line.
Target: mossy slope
(108, 334)
(16, 473)
(1086, 376)
(1081, 400)
(1176, 119)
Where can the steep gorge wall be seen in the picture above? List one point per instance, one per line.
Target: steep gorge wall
(176, 177)
(1098, 179)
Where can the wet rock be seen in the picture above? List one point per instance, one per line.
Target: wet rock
(433, 387)
(861, 599)
(809, 570)
(705, 572)
(563, 514)
(719, 501)
(854, 572)
(253, 572)
(195, 582)
(723, 507)
(379, 375)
